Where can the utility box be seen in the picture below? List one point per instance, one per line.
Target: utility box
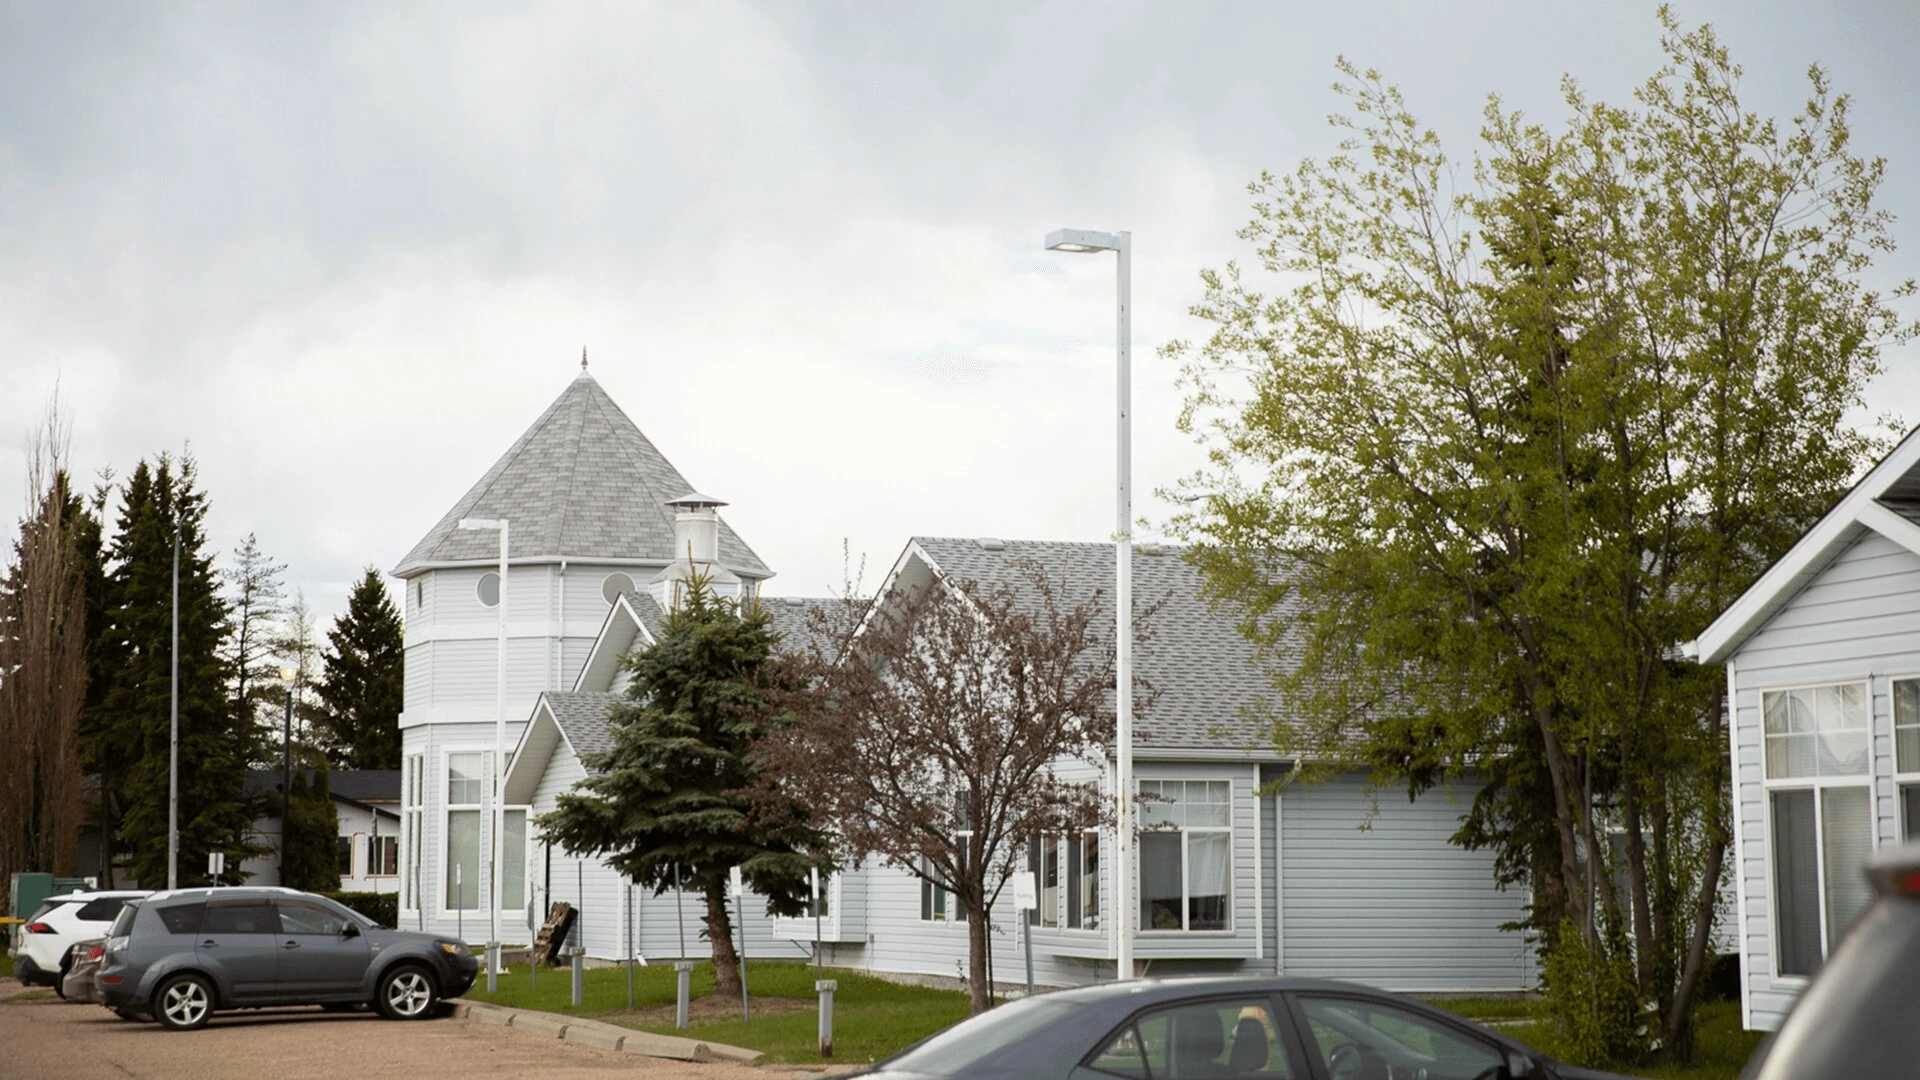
(27, 891)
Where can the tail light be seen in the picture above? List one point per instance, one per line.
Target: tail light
(96, 952)
(39, 928)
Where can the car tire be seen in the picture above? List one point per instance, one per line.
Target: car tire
(406, 992)
(183, 1003)
(60, 980)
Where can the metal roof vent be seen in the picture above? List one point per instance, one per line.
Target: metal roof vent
(991, 543)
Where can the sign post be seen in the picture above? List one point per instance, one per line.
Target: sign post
(1025, 899)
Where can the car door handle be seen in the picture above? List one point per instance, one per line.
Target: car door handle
(291, 945)
(210, 944)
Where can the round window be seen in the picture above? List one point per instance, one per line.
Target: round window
(614, 586)
(489, 590)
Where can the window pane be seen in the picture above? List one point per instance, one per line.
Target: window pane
(1773, 709)
(309, 919)
(463, 859)
(1367, 1038)
(1160, 881)
(343, 855)
(1796, 883)
(1074, 846)
(1049, 881)
(466, 786)
(1843, 754)
(1090, 881)
(513, 860)
(1207, 802)
(1158, 807)
(1906, 725)
(243, 918)
(1217, 1038)
(1846, 834)
(1910, 812)
(1207, 878)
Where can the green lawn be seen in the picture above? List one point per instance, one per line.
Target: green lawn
(872, 1017)
(1721, 1047)
(6, 965)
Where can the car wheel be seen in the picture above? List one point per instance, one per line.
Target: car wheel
(60, 980)
(406, 993)
(183, 1003)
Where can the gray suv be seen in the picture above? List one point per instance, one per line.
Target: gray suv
(179, 955)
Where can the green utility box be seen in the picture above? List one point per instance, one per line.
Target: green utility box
(26, 892)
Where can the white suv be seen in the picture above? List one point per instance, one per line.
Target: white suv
(60, 923)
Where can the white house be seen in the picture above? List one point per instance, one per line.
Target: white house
(1823, 672)
(366, 805)
(1315, 879)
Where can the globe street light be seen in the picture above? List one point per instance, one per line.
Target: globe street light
(492, 810)
(1085, 241)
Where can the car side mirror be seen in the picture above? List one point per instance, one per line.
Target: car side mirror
(350, 931)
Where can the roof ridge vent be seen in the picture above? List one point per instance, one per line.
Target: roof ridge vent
(991, 543)
(1151, 547)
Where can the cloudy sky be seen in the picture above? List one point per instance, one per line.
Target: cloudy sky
(347, 252)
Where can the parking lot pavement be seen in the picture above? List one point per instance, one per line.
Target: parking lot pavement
(48, 1038)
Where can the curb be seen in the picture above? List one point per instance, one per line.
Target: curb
(600, 1035)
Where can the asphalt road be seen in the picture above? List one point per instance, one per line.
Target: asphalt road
(48, 1038)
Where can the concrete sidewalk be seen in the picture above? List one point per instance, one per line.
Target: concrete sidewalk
(604, 1036)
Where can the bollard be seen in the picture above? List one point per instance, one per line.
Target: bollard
(826, 988)
(579, 971)
(683, 969)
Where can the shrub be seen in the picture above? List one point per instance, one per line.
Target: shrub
(1594, 998)
(383, 908)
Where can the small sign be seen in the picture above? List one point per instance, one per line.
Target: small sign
(734, 877)
(216, 863)
(1026, 894)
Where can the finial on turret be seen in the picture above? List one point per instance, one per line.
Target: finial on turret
(583, 358)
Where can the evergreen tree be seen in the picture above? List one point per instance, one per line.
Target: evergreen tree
(673, 795)
(256, 601)
(129, 739)
(360, 687)
(310, 829)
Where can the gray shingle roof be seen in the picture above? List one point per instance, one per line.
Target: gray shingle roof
(582, 716)
(790, 617)
(582, 482)
(1193, 657)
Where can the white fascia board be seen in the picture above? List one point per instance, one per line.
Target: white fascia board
(410, 570)
(621, 622)
(1806, 558)
(518, 764)
(1892, 526)
(1203, 753)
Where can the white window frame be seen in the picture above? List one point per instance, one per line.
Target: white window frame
(1818, 785)
(413, 825)
(956, 915)
(1070, 850)
(1909, 778)
(444, 812)
(373, 849)
(1185, 832)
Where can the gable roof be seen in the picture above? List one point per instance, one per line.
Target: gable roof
(574, 718)
(791, 618)
(1886, 501)
(581, 483)
(1192, 657)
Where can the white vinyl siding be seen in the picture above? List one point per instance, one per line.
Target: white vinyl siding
(1857, 622)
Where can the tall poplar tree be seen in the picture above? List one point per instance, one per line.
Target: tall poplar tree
(1498, 440)
(128, 741)
(361, 681)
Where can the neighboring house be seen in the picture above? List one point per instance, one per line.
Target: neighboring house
(1317, 879)
(366, 803)
(1823, 674)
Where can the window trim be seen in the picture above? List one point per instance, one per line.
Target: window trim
(480, 583)
(1186, 900)
(413, 828)
(929, 892)
(444, 811)
(1818, 785)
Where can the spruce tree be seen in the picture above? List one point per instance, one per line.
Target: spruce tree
(673, 797)
(311, 829)
(129, 740)
(360, 687)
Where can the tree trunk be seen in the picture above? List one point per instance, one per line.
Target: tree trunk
(1559, 771)
(1644, 947)
(977, 945)
(726, 961)
(1678, 1029)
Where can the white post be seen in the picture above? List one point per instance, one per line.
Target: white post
(495, 816)
(1123, 607)
(173, 734)
(1085, 241)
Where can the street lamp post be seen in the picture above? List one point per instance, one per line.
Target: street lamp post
(1084, 241)
(492, 810)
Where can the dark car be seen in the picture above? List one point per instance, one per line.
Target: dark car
(179, 956)
(1855, 1019)
(1208, 1028)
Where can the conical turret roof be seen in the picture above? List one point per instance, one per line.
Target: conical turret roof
(582, 483)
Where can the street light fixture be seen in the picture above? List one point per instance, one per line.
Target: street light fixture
(492, 810)
(1087, 242)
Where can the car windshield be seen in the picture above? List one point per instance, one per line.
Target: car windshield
(967, 1044)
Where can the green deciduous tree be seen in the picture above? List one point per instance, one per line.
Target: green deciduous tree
(361, 682)
(674, 795)
(1483, 457)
